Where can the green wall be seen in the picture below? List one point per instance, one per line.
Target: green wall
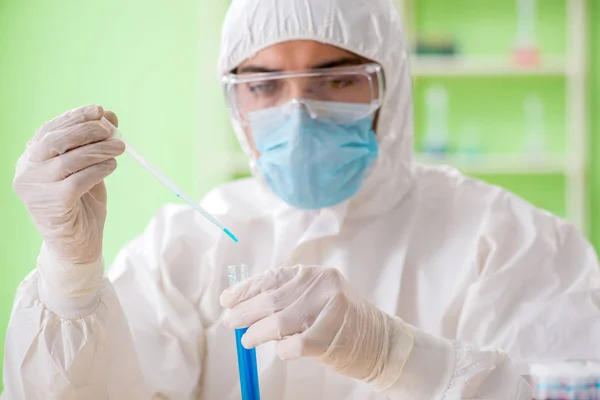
(154, 64)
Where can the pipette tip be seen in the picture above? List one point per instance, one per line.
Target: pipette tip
(231, 235)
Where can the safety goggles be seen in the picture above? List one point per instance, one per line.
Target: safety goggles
(360, 87)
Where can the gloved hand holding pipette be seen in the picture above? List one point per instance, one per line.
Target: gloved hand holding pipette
(60, 179)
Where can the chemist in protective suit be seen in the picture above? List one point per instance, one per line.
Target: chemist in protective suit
(373, 277)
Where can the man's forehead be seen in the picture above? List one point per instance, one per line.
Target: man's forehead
(298, 55)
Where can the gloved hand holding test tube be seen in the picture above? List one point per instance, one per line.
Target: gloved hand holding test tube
(168, 182)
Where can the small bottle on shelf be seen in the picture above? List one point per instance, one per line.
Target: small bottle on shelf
(436, 138)
(535, 132)
(526, 52)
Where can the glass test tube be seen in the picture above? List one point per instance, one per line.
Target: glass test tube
(246, 358)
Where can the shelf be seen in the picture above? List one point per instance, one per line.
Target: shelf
(496, 164)
(484, 66)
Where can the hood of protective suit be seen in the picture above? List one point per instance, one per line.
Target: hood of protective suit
(369, 28)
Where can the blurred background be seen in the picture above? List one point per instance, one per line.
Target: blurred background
(505, 90)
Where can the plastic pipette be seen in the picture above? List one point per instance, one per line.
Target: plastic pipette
(169, 184)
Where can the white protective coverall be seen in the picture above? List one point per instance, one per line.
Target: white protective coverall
(469, 266)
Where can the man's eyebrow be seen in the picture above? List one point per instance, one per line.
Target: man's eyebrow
(340, 62)
(254, 69)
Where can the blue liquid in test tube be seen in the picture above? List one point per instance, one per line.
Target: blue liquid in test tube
(246, 358)
(247, 368)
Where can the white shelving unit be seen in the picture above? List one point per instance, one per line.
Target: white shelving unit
(492, 164)
(485, 66)
(573, 66)
(502, 164)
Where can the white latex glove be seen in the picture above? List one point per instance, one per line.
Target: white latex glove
(60, 179)
(313, 312)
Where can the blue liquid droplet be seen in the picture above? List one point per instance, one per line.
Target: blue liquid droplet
(231, 235)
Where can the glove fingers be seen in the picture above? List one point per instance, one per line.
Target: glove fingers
(70, 118)
(84, 157)
(260, 306)
(111, 117)
(311, 342)
(269, 281)
(319, 333)
(80, 183)
(301, 345)
(291, 347)
(61, 141)
(290, 321)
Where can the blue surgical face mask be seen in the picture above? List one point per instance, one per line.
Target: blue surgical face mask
(313, 163)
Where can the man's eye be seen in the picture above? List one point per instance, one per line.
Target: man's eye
(263, 87)
(341, 83)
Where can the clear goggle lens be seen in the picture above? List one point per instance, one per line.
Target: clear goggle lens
(359, 87)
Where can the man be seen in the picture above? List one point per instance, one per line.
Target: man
(400, 281)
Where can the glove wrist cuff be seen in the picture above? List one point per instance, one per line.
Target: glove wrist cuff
(68, 281)
(399, 342)
(370, 346)
(425, 373)
(67, 308)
